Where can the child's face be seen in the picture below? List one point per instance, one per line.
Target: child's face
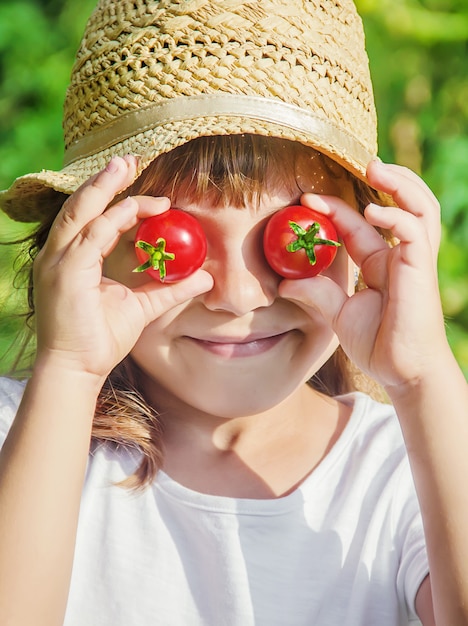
(240, 348)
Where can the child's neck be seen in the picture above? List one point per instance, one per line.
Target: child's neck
(263, 456)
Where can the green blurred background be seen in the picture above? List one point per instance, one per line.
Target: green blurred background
(419, 62)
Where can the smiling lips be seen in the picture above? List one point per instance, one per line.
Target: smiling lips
(235, 348)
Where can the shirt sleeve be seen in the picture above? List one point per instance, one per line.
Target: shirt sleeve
(409, 533)
(11, 392)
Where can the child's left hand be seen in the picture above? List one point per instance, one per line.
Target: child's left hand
(394, 329)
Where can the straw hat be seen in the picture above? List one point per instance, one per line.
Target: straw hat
(152, 75)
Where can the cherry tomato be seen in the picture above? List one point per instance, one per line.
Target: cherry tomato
(170, 246)
(299, 242)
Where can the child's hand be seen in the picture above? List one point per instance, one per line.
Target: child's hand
(394, 329)
(85, 321)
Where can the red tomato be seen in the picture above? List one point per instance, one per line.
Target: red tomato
(170, 246)
(299, 242)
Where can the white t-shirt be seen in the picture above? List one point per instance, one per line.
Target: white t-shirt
(344, 549)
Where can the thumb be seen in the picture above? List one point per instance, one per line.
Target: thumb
(320, 294)
(157, 298)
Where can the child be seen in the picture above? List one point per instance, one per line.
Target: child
(237, 473)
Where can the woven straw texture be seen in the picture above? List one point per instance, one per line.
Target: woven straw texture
(150, 76)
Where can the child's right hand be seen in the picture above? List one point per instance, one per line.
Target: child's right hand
(394, 329)
(84, 321)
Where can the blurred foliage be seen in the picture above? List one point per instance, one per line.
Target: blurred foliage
(418, 51)
(38, 41)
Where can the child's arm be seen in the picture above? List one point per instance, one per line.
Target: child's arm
(434, 419)
(394, 330)
(85, 326)
(433, 410)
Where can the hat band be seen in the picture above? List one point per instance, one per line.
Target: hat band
(216, 105)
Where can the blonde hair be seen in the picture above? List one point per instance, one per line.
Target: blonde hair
(235, 169)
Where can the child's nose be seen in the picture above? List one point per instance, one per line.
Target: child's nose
(243, 281)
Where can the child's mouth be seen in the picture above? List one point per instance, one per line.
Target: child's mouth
(235, 348)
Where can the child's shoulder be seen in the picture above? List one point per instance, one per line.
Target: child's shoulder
(373, 425)
(369, 459)
(368, 412)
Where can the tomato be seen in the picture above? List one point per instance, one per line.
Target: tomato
(299, 242)
(170, 246)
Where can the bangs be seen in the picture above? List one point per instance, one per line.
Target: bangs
(229, 169)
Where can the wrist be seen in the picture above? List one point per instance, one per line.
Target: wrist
(440, 379)
(66, 372)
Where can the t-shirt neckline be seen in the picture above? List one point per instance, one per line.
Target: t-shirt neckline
(269, 506)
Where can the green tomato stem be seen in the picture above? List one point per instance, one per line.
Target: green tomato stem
(307, 240)
(157, 257)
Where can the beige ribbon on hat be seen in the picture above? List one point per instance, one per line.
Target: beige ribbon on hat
(214, 105)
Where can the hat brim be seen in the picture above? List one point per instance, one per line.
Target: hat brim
(26, 199)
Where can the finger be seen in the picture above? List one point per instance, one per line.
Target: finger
(410, 193)
(146, 206)
(343, 313)
(151, 205)
(377, 171)
(414, 245)
(100, 236)
(90, 200)
(360, 238)
(157, 298)
(319, 294)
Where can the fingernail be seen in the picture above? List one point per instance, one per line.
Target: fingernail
(375, 162)
(127, 202)
(113, 165)
(131, 159)
(204, 284)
